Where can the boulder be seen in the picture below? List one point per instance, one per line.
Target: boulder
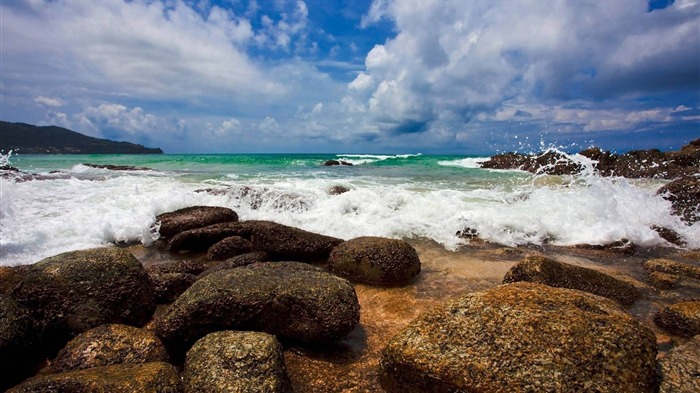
(20, 336)
(669, 235)
(375, 260)
(522, 337)
(154, 377)
(189, 266)
(682, 318)
(672, 267)
(169, 286)
(336, 163)
(291, 300)
(200, 239)
(547, 271)
(10, 276)
(663, 280)
(110, 344)
(238, 261)
(229, 247)
(506, 161)
(680, 368)
(230, 361)
(193, 217)
(337, 190)
(76, 291)
(684, 195)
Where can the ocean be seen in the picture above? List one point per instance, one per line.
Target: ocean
(74, 206)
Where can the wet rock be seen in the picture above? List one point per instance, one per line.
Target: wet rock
(522, 337)
(680, 368)
(110, 344)
(154, 377)
(10, 276)
(682, 319)
(19, 341)
(230, 361)
(624, 247)
(169, 286)
(547, 271)
(684, 195)
(76, 291)
(337, 190)
(662, 280)
(193, 217)
(672, 267)
(200, 239)
(229, 247)
(238, 261)
(506, 161)
(189, 266)
(117, 167)
(336, 162)
(669, 235)
(375, 260)
(291, 300)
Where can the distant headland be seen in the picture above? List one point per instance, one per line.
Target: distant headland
(30, 139)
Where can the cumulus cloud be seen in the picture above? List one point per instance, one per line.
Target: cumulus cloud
(52, 102)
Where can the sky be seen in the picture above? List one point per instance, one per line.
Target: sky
(356, 76)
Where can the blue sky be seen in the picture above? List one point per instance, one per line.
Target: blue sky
(380, 76)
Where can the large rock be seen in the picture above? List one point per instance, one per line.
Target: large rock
(291, 300)
(681, 318)
(684, 195)
(229, 361)
(193, 217)
(547, 271)
(20, 336)
(229, 247)
(169, 286)
(680, 368)
(79, 290)
(154, 377)
(675, 268)
(281, 242)
(522, 337)
(375, 260)
(238, 261)
(187, 266)
(110, 344)
(10, 276)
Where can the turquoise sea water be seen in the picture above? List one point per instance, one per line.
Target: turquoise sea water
(70, 206)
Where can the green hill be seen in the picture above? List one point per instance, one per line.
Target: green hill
(29, 139)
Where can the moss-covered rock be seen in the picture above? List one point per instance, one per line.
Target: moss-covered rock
(20, 336)
(169, 286)
(681, 318)
(230, 361)
(680, 368)
(76, 291)
(110, 344)
(547, 271)
(288, 299)
(187, 266)
(229, 247)
(154, 377)
(200, 239)
(669, 266)
(193, 217)
(522, 337)
(663, 280)
(375, 260)
(238, 261)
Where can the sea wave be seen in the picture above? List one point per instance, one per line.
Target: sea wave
(360, 159)
(470, 163)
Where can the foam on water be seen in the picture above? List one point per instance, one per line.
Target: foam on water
(471, 162)
(94, 207)
(360, 159)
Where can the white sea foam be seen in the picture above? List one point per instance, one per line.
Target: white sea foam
(470, 163)
(46, 217)
(360, 159)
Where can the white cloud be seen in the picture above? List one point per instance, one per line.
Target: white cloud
(361, 82)
(52, 102)
(279, 34)
(228, 126)
(268, 125)
(118, 117)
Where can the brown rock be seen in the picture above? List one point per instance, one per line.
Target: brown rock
(193, 217)
(238, 261)
(672, 267)
(684, 195)
(375, 260)
(190, 267)
(201, 239)
(682, 318)
(663, 280)
(20, 335)
(169, 286)
(680, 368)
(110, 344)
(522, 337)
(230, 361)
(10, 276)
(547, 271)
(337, 190)
(154, 377)
(229, 247)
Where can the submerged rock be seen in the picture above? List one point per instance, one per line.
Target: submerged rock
(169, 286)
(288, 299)
(684, 195)
(681, 318)
(336, 163)
(230, 361)
(117, 167)
(229, 247)
(375, 260)
(154, 377)
(522, 337)
(110, 344)
(680, 368)
(547, 271)
(76, 291)
(193, 217)
(662, 280)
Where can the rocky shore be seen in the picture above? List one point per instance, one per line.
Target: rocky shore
(226, 305)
